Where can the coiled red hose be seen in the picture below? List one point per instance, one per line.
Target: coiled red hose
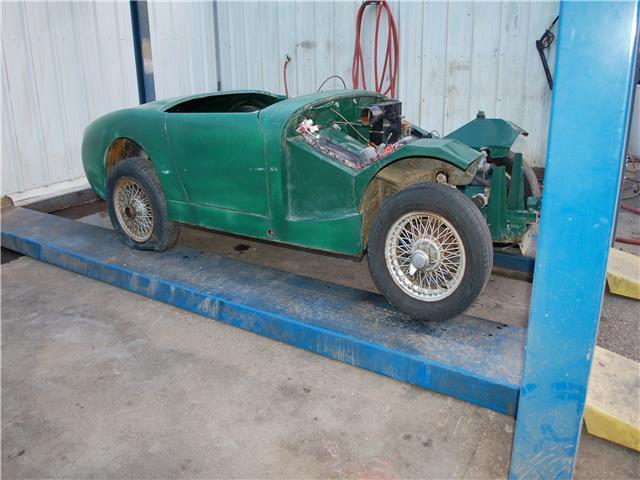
(391, 56)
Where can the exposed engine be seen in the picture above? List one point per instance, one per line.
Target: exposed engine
(346, 140)
(384, 121)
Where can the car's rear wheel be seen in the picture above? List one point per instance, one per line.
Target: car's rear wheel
(137, 207)
(430, 251)
(531, 184)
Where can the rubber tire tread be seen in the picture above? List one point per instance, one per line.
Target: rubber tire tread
(465, 217)
(165, 232)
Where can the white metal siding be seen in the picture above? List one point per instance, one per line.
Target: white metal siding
(66, 63)
(63, 65)
(456, 58)
(182, 48)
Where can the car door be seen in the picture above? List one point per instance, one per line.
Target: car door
(220, 158)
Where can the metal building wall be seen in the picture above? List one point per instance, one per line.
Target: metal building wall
(66, 63)
(456, 58)
(183, 36)
(63, 65)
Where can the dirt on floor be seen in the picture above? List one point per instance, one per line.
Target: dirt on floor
(100, 382)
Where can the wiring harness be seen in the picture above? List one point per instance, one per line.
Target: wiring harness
(309, 132)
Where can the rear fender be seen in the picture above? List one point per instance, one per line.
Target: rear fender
(140, 126)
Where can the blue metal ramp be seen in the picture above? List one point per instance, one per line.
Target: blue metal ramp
(468, 358)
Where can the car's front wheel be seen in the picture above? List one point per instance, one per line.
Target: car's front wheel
(137, 207)
(430, 252)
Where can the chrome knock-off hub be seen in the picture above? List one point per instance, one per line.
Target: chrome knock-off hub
(425, 256)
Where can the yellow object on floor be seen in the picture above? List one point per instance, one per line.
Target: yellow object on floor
(623, 273)
(612, 411)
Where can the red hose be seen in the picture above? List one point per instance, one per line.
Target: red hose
(631, 209)
(391, 56)
(287, 59)
(630, 241)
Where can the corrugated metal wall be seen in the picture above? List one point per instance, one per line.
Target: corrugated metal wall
(183, 47)
(456, 58)
(63, 65)
(66, 63)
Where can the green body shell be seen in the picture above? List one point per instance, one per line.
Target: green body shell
(495, 134)
(250, 173)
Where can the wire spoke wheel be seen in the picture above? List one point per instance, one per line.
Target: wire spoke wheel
(425, 256)
(133, 209)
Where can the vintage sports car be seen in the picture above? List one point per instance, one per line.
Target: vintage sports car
(338, 171)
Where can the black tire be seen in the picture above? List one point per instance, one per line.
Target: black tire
(531, 184)
(466, 220)
(140, 171)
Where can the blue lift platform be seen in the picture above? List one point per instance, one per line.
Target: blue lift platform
(469, 358)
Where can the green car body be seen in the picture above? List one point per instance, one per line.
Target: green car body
(250, 173)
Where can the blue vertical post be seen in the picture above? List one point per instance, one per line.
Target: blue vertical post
(142, 50)
(595, 73)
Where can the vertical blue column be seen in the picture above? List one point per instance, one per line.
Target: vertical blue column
(142, 50)
(587, 143)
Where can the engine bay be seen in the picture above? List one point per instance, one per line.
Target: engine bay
(358, 131)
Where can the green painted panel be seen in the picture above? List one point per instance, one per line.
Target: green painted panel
(145, 126)
(220, 219)
(494, 133)
(250, 173)
(220, 159)
(317, 188)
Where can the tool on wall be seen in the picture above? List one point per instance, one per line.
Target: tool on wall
(543, 44)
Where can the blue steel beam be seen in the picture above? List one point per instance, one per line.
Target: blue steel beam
(468, 358)
(595, 73)
(511, 261)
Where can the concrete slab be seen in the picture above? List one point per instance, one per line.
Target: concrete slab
(101, 382)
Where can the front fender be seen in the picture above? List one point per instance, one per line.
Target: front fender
(429, 153)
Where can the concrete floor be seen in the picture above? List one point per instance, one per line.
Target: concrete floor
(100, 382)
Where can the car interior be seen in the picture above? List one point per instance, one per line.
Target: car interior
(229, 103)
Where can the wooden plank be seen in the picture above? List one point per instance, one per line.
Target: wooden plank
(623, 273)
(612, 411)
